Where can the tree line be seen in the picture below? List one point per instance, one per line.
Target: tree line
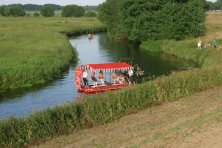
(214, 5)
(139, 20)
(47, 10)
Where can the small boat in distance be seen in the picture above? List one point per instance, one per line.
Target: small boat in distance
(112, 77)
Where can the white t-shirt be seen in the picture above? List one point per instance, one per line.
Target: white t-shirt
(130, 72)
(85, 74)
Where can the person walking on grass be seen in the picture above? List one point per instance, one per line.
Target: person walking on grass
(199, 44)
(215, 43)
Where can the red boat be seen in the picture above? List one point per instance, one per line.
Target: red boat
(107, 68)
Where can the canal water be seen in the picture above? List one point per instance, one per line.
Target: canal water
(98, 50)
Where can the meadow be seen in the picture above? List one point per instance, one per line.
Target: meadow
(34, 50)
(105, 108)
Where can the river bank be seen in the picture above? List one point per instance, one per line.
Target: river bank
(192, 121)
(34, 51)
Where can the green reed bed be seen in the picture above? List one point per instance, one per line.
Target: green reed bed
(35, 50)
(103, 108)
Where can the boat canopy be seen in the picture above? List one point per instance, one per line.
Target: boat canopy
(110, 66)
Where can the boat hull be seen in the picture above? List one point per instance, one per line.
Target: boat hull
(100, 88)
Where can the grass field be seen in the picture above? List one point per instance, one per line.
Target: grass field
(33, 50)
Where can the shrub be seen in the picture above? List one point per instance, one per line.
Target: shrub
(90, 14)
(12, 11)
(36, 14)
(47, 11)
(73, 11)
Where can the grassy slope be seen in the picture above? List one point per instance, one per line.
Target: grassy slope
(33, 50)
(184, 123)
(170, 124)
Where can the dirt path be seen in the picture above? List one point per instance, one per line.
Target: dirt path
(194, 121)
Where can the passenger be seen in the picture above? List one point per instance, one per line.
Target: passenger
(122, 79)
(130, 72)
(114, 77)
(85, 78)
(94, 79)
(90, 36)
(101, 77)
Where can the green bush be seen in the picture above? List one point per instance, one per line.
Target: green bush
(36, 14)
(12, 11)
(73, 11)
(90, 14)
(47, 11)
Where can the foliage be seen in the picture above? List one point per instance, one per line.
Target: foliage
(47, 11)
(90, 8)
(90, 14)
(12, 11)
(213, 5)
(2, 12)
(73, 11)
(140, 20)
(36, 14)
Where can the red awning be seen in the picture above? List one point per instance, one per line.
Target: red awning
(110, 66)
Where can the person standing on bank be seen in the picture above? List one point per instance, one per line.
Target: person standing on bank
(199, 44)
(215, 43)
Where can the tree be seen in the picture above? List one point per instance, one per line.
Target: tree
(47, 11)
(139, 20)
(73, 11)
(2, 11)
(13, 10)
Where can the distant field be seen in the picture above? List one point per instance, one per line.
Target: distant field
(33, 50)
(58, 13)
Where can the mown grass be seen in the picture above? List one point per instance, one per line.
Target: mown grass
(35, 50)
(108, 107)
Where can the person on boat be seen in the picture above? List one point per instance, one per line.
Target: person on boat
(130, 73)
(90, 36)
(122, 79)
(93, 77)
(101, 77)
(114, 77)
(85, 78)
